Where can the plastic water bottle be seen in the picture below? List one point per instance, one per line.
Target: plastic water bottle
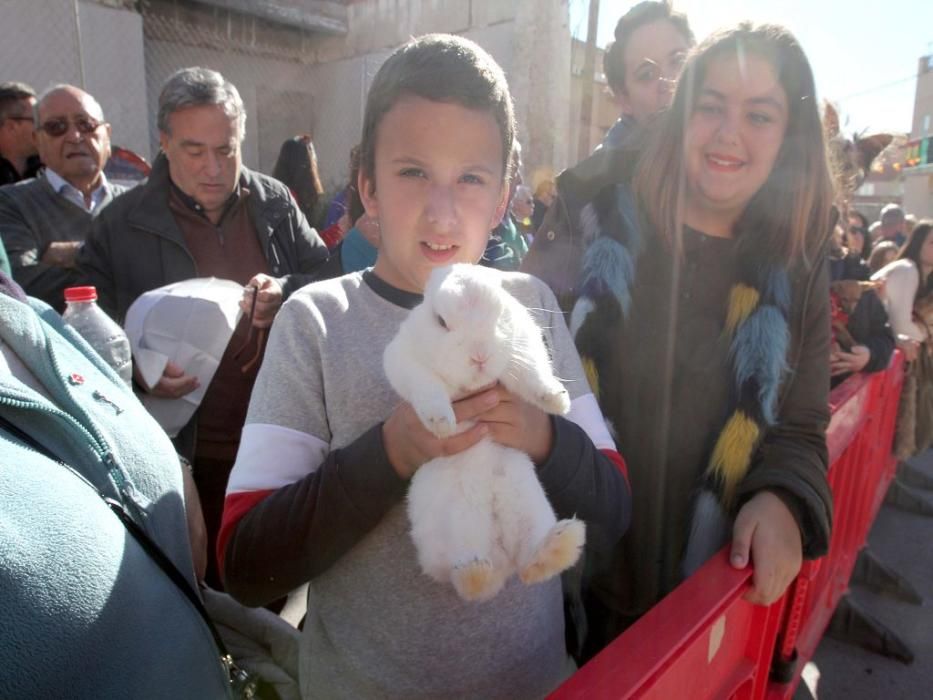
(100, 331)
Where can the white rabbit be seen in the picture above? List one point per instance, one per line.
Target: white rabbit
(481, 515)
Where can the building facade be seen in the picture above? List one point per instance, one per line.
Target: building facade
(301, 66)
(918, 171)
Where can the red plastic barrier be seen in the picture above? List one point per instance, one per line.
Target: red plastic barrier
(703, 640)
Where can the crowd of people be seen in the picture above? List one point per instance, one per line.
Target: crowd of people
(714, 282)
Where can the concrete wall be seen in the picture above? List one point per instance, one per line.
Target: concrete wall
(530, 39)
(278, 96)
(605, 109)
(540, 82)
(115, 72)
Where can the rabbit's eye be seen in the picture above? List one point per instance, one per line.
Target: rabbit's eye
(442, 322)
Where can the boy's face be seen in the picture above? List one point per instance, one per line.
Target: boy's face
(438, 188)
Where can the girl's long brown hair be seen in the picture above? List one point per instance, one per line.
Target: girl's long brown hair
(911, 250)
(795, 202)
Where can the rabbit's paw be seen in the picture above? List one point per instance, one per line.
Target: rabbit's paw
(559, 550)
(555, 399)
(476, 580)
(438, 417)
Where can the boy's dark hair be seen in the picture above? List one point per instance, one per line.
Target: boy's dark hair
(641, 14)
(11, 94)
(440, 68)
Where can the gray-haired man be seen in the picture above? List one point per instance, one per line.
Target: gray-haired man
(893, 225)
(200, 214)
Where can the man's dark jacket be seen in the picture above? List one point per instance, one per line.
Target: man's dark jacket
(136, 245)
(9, 175)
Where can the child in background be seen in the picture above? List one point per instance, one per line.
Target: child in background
(318, 490)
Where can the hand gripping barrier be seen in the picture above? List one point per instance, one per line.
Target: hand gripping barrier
(703, 640)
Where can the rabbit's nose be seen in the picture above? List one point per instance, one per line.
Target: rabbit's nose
(478, 359)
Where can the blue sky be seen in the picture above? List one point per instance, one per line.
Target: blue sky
(864, 55)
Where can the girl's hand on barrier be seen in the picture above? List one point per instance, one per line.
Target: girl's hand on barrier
(846, 362)
(765, 531)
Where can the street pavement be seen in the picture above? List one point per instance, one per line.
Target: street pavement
(903, 541)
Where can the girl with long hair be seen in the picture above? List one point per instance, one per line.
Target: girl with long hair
(906, 294)
(907, 280)
(297, 167)
(702, 315)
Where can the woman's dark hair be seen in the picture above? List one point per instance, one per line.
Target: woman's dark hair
(297, 168)
(911, 250)
(866, 240)
(795, 202)
(861, 217)
(641, 14)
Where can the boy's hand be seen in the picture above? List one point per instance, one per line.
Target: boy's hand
(513, 422)
(409, 444)
(766, 530)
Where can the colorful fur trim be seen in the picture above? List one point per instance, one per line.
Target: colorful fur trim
(756, 327)
(592, 375)
(732, 453)
(742, 301)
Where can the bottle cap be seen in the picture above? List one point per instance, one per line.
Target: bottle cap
(81, 294)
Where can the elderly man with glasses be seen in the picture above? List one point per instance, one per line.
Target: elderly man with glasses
(44, 221)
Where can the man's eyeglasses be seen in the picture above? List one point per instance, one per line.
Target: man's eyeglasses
(58, 127)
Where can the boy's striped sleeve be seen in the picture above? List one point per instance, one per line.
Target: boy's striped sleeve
(285, 524)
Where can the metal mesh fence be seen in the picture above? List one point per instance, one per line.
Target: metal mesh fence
(122, 51)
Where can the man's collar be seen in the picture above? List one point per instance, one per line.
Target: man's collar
(195, 206)
(59, 183)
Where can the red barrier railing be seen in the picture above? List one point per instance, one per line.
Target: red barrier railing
(703, 640)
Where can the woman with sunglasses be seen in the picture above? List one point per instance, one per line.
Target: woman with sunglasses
(857, 239)
(702, 314)
(845, 255)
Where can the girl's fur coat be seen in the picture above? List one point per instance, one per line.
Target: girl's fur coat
(481, 515)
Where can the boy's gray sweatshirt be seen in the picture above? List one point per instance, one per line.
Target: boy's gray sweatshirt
(325, 505)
